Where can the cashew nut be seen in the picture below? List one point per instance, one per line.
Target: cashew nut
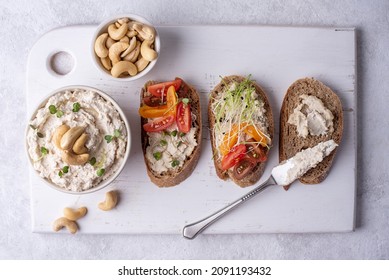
(133, 56)
(73, 159)
(64, 222)
(106, 62)
(110, 42)
(123, 67)
(111, 199)
(58, 133)
(115, 50)
(141, 64)
(68, 139)
(145, 32)
(117, 33)
(79, 145)
(131, 33)
(123, 20)
(147, 52)
(125, 39)
(130, 48)
(74, 214)
(100, 47)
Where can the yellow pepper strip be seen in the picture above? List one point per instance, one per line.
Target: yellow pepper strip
(171, 101)
(162, 110)
(152, 112)
(231, 138)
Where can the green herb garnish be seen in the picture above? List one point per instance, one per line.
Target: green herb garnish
(174, 133)
(92, 161)
(163, 142)
(59, 113)
(166, 133)
(175, 163)
(116, 134)
(76, 107)
(44, 151)
(100, 172)
(179, 144)
(64, 170)
(157, 155)
(52, 109)
(182, 134)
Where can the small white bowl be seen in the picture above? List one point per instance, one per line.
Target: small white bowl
(112, 177)
(103, 27)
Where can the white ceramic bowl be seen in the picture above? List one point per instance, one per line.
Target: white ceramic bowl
(113, 176)
(103, 27)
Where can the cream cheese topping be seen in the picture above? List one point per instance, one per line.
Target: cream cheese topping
(99, 118)
(312, 117)
(297, 166)
(169, 150)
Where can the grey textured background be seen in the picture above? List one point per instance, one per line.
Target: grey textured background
(23, 22)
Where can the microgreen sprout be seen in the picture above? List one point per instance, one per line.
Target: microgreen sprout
(76, 107)
(116, 134)
(100, 172)
(175, 163)
(157, 155)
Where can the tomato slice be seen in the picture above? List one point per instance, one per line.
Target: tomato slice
(256, 152)
(235, 155)
(159, 124)
(184, 117)
(158, 89)
(243, 168)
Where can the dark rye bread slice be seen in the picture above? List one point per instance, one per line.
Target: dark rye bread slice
(259, 169)
(291, 142)
(176, 176)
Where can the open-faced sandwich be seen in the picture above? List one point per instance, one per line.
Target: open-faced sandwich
(171, 130)
(241, 126)
(311, 113)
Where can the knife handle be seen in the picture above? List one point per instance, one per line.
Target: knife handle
(192, 230)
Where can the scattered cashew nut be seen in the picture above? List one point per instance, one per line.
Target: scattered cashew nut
(130, 48)
(133, 55)
(111, 199)
(106, 62)
(74, 214)
(141, 64)
(64, 222)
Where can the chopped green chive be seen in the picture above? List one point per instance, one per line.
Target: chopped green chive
(157, 155)
(179, 144)
(174, 133)
(163, 142)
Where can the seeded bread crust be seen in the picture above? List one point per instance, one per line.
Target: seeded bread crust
(291, 142)
(175, 176)
(259, 169)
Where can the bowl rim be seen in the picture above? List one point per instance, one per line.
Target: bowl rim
(110, 179)
(104, 25)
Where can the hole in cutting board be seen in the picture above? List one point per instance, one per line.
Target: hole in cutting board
(62, 63)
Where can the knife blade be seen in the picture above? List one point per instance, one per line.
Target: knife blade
(283, 174)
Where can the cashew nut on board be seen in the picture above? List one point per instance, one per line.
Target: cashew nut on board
(74, 214)
(64, 222)
(111, 199)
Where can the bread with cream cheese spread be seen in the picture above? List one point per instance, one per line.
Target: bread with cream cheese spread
(291, 141)
(172, 139)
(226, 115)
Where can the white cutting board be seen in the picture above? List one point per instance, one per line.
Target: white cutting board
(275, 57)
